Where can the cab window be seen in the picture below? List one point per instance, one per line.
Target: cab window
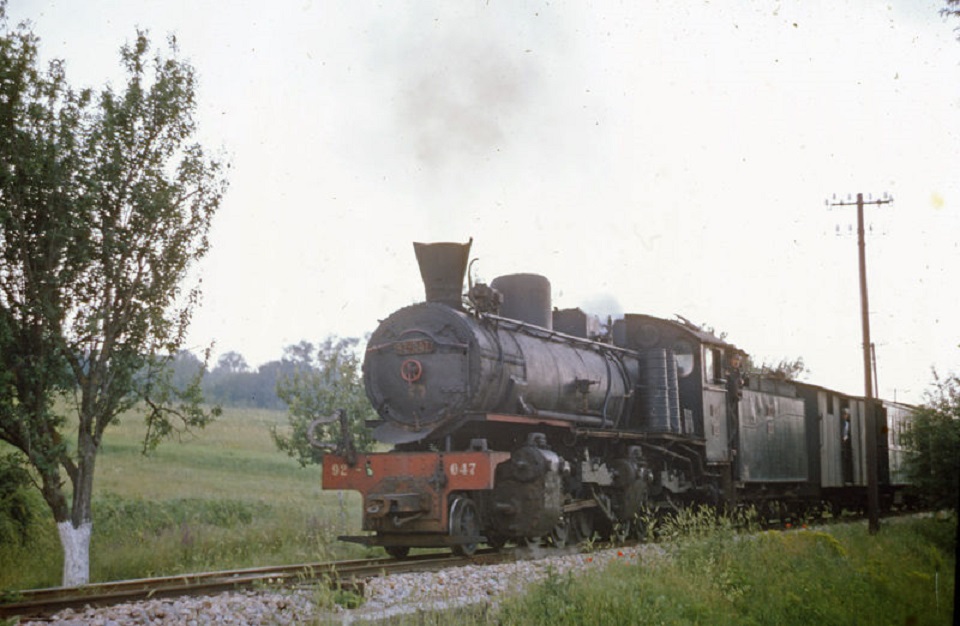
(712, 365)
(683, 352)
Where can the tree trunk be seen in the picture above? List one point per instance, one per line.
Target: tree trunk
(75, 533)
(76, 553)
(75, 540)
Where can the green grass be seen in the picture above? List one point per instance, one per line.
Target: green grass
(234, 458)
(225, 497)
(840, 576)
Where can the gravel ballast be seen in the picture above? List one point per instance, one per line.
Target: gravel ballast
(383, 597)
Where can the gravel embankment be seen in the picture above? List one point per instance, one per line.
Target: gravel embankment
(384, 597)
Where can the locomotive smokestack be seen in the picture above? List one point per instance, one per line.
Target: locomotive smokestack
(442, 267)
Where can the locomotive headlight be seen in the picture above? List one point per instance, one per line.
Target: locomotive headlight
(411, 370)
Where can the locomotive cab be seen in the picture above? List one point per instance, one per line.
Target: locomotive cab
(753, 432)
(697, 359)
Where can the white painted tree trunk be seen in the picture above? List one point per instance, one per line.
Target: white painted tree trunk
(76, 553)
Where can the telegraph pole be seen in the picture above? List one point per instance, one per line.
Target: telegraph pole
(869, 418)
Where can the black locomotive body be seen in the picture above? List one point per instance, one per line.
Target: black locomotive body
(512, 421)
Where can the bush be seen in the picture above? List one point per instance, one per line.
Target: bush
(933, 442)
(16, 512)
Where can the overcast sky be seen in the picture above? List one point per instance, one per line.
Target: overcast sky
(648, 157)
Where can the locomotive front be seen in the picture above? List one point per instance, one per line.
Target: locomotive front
(421, 370)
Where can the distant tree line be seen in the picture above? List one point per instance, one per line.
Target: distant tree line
(232, 382)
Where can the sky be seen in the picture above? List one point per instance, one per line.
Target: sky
(664, 158)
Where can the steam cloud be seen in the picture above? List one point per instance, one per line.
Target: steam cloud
(462, 99)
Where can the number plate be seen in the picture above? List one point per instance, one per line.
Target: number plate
(413, 346)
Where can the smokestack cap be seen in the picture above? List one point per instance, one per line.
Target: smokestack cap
(442, 267)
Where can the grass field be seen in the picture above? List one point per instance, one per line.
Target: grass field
(225, 497)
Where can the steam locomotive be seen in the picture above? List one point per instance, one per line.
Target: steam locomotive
(511, 421)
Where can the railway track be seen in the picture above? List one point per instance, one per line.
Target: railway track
(40, 603)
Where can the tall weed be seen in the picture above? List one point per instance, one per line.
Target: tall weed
(190, 536)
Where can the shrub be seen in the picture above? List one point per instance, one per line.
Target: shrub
(933, 442)
(16, 512)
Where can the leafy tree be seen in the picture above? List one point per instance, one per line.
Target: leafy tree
(933, 442)
(16, 515)
(251, 389)
(232, 383)
(104, 205)
(185, 366)
(785, 369)
(300, 354)
(321, 382)
(952, 9)
(232, 363)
